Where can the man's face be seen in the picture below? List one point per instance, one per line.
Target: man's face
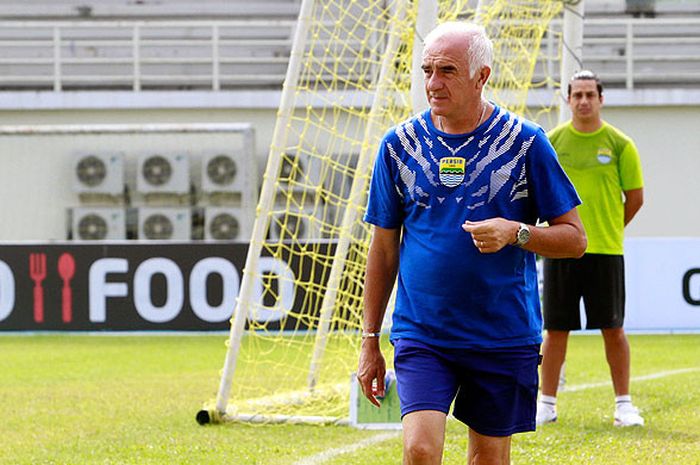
(450, 90)
(585, 101)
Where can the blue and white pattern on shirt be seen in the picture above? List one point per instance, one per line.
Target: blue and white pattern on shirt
(428, 183)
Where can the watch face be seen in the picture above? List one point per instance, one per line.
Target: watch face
(523, 235)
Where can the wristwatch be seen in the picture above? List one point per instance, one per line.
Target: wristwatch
(522, 236)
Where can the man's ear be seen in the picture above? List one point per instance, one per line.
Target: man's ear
(484, 75)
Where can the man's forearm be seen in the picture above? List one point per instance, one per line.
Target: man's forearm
(633, 202)
(565, 237)
(382, 265)
(557, 241)
(379, 283)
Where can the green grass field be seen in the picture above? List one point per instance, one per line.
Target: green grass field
(83, 399)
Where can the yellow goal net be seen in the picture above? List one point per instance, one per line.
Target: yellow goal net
(295, 331)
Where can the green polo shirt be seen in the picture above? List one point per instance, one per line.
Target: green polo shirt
(602, 165)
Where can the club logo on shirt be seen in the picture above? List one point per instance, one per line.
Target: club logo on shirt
(452, 171)
(604, 155)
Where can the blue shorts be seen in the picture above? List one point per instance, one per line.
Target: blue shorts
(494, 391)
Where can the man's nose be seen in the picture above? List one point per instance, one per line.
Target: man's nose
(433, 82)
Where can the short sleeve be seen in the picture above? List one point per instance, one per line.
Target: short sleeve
(552, 192)
(630, 168)
(384, 206)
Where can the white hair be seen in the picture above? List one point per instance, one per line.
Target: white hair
(479, 49)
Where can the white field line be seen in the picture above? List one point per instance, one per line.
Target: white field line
(329, 454)
(661, 374)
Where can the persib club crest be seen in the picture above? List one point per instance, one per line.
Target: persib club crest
(452, 171)
(604, 155)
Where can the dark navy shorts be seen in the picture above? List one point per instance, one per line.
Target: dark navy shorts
(494, 391)
(598, 279)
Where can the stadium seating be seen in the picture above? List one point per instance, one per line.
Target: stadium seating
(237, 44)
(69, 10)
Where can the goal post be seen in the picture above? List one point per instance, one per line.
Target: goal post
(425, 22)
(266, 200)
(295, 333)
(356, 198)
(572, 51)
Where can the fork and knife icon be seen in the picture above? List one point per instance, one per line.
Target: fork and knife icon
(37, 272)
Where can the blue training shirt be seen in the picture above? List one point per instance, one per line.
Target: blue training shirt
(429, 182)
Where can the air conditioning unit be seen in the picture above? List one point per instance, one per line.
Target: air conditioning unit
(164, 223)
(98, 223)
(99, 173)
(225, 172)
(300, 172)
(165, 173)
(300, 225)
(227, 223)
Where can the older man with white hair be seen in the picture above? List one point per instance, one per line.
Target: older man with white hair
(455, 194)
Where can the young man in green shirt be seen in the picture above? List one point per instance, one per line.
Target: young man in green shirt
(604, 166)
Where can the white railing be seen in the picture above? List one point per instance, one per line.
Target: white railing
(143, 54)
(215, 55)
(632, 52)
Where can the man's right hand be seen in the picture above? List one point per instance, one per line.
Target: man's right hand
(371, 370)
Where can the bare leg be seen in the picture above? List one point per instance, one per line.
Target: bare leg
(617, 352)
(553, 356)
(562, 376)
(423, 437)
(488, 450)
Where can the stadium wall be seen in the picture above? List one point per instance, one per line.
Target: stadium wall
(36, 189)
(192, 286)
(666, 135)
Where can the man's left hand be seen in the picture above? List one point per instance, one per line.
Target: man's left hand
(491, 235)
